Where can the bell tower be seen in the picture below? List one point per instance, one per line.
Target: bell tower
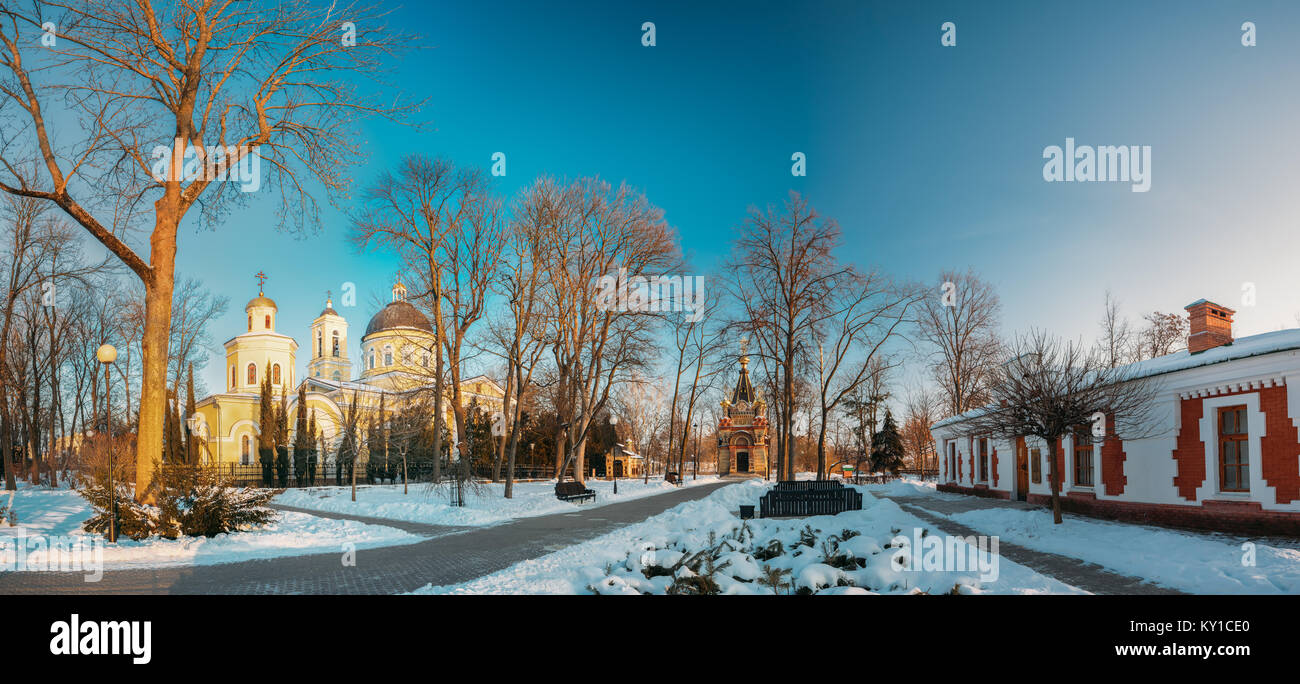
(329, 345)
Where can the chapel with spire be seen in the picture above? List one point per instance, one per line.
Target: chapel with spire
(742, 431)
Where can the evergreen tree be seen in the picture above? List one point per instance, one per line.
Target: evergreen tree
(282, 440)
(169, 431)
(191, 454)
(302, 438)
(312, 441)
(266, 433)
(887, 447)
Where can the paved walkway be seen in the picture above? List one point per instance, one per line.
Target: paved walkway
(1072, 571)
(451, 555)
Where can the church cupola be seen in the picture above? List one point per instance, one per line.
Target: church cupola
(261, 309)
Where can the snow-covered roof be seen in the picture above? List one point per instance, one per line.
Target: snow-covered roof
(1241, 348)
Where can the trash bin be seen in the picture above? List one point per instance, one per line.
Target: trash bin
(746, 512)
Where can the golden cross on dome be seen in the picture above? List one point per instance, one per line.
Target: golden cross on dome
(261, 279)
(744, 345)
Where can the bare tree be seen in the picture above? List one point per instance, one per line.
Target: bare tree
(960, 324)
(418, 212)
(784, 272)
(596, 340)
(521, 335)
(868, 311)
(1117, 339)
(1165, 333)
(1048, 388)
(697, 341)
(222, 86)
(919, 415)
(193, 309)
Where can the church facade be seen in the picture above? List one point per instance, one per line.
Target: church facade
(742, 431)
(396, 362)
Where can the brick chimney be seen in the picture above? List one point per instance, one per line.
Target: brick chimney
(1211, 325)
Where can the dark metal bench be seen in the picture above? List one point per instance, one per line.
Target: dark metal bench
(807, 485)
(809, 498)
(573, 491)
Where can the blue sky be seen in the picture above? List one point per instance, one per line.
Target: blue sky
(929, 157)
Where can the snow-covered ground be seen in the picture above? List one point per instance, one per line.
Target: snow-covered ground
(487, 506)
(44, 513)
(618, 562)
(1187, 561)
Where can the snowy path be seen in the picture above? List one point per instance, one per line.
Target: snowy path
(1087, 576)
(455, 555)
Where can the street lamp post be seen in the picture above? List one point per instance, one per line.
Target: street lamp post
(613, 467)
(107, 354)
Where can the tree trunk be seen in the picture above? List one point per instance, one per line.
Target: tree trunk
(821, 447)
(1055, 475)
(157, 331)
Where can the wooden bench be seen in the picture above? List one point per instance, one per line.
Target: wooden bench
(573, 491)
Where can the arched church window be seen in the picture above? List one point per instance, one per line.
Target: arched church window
(233, 377)
(336, 376)
(336, 343)
(372, 360)
(275, 374)
(388, 356)
(268, 321)
(252, 374)
(320, 345)
(244, 450)
(250, 322)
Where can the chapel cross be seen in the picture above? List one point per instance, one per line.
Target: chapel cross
(261, 279)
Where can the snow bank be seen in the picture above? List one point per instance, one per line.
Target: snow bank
(60, 512)
(850, 553)
(431, 505)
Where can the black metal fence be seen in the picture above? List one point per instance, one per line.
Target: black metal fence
(251, 475)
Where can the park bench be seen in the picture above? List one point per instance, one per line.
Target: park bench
(809, 498)
(573, 491)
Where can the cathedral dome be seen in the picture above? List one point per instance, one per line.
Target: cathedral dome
(398, 314)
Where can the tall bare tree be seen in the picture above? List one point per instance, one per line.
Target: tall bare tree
(521, 334)
(960, 324)
(784, 271)
(212, 89)
(426, 212)
(868, 310)
(597, 340)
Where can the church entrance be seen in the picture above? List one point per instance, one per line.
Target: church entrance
(618, 469)
(742, 461)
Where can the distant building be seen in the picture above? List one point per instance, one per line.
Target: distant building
(397, 358)
(1226, 456)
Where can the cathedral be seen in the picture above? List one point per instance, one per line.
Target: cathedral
(396, 359)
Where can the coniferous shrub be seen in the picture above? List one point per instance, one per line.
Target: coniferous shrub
(192, 501)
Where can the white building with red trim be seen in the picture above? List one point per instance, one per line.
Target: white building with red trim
(1225, 454)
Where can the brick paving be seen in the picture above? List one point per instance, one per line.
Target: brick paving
(1072, 571)
(451, 555)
